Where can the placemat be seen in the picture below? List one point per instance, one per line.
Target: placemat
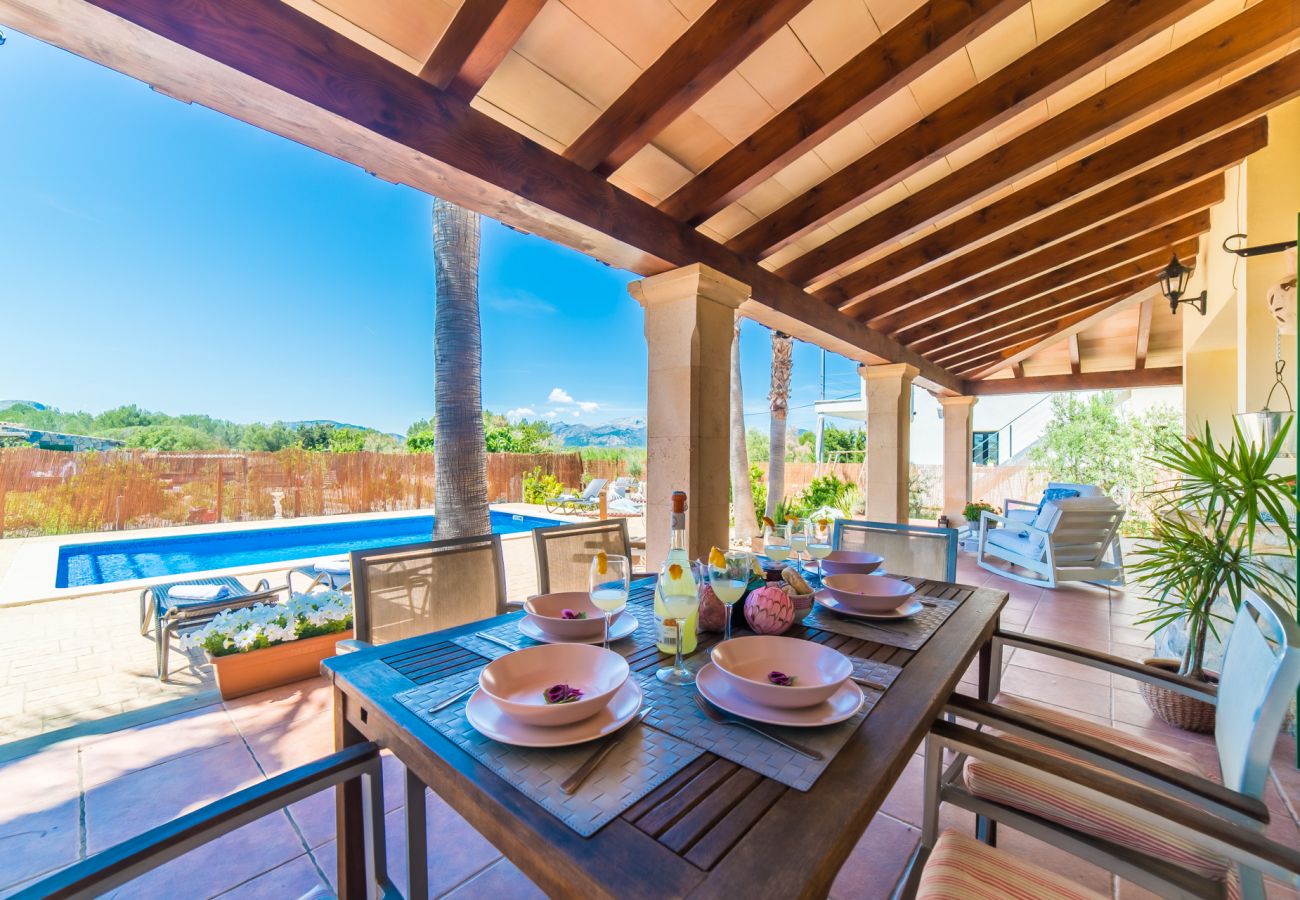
(643, 760)
(509, 632)
(909, 634)
(674, 710)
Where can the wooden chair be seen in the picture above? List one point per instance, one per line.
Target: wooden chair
(564, 552)
(1076, 539)
(412, 589)
(920, 551)
(99, 874)
(1261, 670)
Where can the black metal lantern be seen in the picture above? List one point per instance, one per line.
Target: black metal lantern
(1173, 284)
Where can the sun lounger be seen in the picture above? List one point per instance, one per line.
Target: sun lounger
(334, 573)
(573, 504)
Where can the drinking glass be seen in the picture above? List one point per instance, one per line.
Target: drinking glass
(776, 542)
(609, 588)
(819, 541)
(729, 581)
(798, 540)
(680, 598)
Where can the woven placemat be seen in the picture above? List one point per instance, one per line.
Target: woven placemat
(509, 632)
(673, 709)
(641, 761)
(909, 634)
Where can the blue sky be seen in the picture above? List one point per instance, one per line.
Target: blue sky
(163, 254)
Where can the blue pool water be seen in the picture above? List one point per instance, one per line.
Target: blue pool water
(109, 561)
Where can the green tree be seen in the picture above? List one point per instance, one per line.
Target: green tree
(756, 447)
(419, 426)
(420, 441)
(843, 439)
(267, 438)
(174, 438)
(347, 440)
(125, 417)
(316, 438)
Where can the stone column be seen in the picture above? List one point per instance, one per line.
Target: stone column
(689, 324)
(889, 426)
(958, 469)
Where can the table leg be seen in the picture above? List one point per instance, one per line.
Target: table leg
(417, 838)
(349, 814)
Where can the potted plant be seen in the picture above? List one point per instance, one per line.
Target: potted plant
(270, 644)
(1202, 548)
(972, 510)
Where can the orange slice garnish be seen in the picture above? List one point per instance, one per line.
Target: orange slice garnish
(824, 523)
(717, 558)
(768, 522)
(674, 571)
(602, 562)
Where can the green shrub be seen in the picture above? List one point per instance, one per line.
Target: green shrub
(758, 487)
(540, 487)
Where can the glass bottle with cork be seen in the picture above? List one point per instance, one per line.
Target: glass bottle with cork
(676, 590)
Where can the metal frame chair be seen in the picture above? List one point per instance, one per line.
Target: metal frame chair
(1075, 539)
(571, 504)
(1261, 670)
(617, 528)
(928, 532)
(331, 580)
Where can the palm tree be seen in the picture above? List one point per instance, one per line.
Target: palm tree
(779, 398)
(460, 458)
(742, 502)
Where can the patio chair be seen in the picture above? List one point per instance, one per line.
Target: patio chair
(920, 551)
(1019, 781)
(572, 504)
(1075, 539)
(356, 768)
(564, 552)
(334, 573)
(170, 615)
(1025, 510)
(412, 589)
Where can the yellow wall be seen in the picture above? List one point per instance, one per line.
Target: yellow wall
(1210, 391)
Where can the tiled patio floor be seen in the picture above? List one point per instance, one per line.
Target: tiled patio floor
(84, 794)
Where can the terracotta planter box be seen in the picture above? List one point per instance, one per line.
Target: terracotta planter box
(247, 673)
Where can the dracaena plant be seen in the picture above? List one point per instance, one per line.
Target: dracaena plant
(1207, 517)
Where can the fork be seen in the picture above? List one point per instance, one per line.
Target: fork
(724, 719)
(493, 639)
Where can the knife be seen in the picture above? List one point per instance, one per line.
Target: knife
(574, 781)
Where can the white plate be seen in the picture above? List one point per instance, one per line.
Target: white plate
(489, 720)
(624, 625)
(824, 599)
(715, 688)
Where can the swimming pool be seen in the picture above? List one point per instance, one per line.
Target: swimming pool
(104, 562)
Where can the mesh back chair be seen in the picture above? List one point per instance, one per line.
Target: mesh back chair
(564, 552)
(918, 551)
(413, 589)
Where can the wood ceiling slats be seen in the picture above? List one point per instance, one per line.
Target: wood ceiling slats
(1224, 109)
(906, 51)
(1144, 333)
(1252, 34)
(709, 50)
(1086, 46)
(477, 40)
(1093, 381)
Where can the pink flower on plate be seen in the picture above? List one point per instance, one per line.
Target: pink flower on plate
(567, 613)
(562, 693)
(780, 678)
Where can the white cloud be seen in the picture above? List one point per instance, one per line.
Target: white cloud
(520, 413)
(559, 395)
(519, 303)
(588, 406)
(552, 414)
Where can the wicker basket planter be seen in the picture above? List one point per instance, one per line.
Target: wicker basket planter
(247, 673)
(1177, 709)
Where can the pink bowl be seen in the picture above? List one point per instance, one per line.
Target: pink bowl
(545, 610)
(868, 593)
(851, 562)
(818, 671)
(517, 682)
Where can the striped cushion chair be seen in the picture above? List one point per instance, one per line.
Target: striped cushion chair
(962, 868)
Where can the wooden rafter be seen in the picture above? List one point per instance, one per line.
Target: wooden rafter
(711, 48)
(1144, 334)
(1173, 209)
(474, 44)
(1148, 252)
(1116, 200)
(1019, 370)
(1087, 45)
(908, 50)
(1093, 381)
(1248, 36)
(1076, 360)
(1224, 109)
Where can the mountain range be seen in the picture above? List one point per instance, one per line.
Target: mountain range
(629, 432)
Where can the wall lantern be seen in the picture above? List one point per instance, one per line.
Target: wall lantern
(1173, 284)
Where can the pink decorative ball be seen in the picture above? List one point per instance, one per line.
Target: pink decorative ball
(769, 610)
(713, 615)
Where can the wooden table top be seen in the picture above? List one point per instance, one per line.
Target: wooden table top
(715, 827)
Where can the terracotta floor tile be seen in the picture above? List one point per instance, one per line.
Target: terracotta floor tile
(1059, 690)
(1041, 662)
(295, 878)
(315, 815)
(110, 756)
(281, 707)
(877, 862)
(39, 815)
(501, 879)
(281, 747)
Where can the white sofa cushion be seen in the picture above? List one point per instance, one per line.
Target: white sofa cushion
(1010, 540)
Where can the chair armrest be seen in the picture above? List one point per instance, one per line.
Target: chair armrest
(1189, 787)
(1153, 808)
(1009, 502)
(987, 516)
(1108, 662)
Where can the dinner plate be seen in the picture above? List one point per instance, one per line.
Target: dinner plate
(489, 720)
(715, 688)
(824, 599)
(624, 625)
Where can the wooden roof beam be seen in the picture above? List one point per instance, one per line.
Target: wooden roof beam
(1143, 335)
(1076, 360)
(1087, 45)
(480, 35)
(711, 48)
(908, 50)
(1093, 381)
(1262, 28)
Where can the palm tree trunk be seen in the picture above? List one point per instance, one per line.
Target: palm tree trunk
(779, 398)
(742, 495)
(460, 458)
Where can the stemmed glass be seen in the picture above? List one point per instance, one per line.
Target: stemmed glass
(798, 540)
(729, 580)
(677, 592)
(776, 542)
(819, 541)
(608, 577)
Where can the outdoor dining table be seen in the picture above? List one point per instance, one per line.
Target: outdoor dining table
(714, 828)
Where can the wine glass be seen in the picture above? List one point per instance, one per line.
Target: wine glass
(798, 539)
(776, 542)
(676, 590)
(608, 578)
(819, 541)
(729, 580)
